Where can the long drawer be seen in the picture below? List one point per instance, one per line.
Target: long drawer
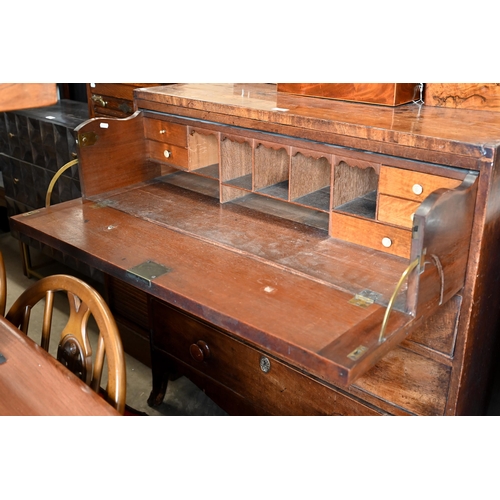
(249, 372)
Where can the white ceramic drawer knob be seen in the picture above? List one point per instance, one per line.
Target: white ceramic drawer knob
(417, 189)
(387, 242)
(167, 153)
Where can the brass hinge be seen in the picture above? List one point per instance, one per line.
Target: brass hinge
(148, 271)
(365, 298)
(87, 138)
(357, 353)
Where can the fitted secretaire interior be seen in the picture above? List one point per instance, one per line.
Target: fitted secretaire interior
(341, 252)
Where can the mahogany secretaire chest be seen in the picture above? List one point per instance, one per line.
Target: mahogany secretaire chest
(299, 255)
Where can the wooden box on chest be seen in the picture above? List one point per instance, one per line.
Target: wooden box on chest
(388, 94)
(297, 262)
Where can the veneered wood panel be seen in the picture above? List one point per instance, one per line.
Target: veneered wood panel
(480, 96)
(409, 131)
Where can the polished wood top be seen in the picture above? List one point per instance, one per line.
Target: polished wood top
(33, 383)
(219, 260)
(404, 130)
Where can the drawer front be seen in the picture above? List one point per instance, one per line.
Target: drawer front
(171, 133)
(168, 153)
(113, 99)
(118, 90)
(392, 240)
(439, 331)
(411, 185)
(110, 106)
(268, 383)
(128, 301)
(396, 210)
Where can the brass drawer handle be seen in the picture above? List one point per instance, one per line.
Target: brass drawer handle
(99, 100)
(11, 135)
(15, 180)
(167, 153)
(199, 351)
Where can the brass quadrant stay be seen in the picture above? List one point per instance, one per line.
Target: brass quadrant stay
(406, 272)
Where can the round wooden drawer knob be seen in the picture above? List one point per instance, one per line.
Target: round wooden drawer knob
(417, 189)
(387, 242)
(199, 351)
(167, 153)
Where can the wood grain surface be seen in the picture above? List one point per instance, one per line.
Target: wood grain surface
(32, 382)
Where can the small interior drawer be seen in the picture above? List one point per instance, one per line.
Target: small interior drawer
(396, 211)
(171, 133)
(411, 185)
(168, 153)
(389, 239)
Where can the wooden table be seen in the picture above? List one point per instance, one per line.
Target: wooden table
(32, 382)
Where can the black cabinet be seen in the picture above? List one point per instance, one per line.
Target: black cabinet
(34, 144)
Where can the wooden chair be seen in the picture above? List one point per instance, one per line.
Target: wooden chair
(3, 286)
(74, 350)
